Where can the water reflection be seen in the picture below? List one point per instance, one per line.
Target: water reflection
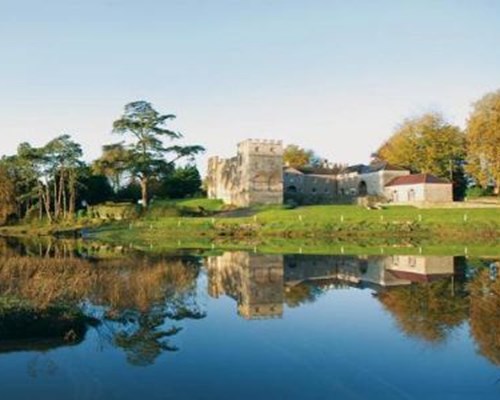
(262, 284)
(428, 296)
(134, 303)
(51, 294)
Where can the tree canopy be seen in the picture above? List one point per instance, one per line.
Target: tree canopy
(426, 144)
(147, 153)
(483, 141)
(297, 157)
(46, 178)
(7, 195)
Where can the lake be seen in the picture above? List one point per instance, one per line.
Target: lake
(84, 321)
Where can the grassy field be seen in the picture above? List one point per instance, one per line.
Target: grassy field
(202, 223)
(205, 220)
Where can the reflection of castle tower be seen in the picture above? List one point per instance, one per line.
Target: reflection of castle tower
(254, 281)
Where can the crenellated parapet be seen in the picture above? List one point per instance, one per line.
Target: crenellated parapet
(261, 147)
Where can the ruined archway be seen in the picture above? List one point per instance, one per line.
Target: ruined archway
(362, 189)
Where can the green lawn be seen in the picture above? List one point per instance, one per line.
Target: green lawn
(165, 222)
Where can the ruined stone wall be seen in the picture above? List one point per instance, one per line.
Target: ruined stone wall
(254, 176)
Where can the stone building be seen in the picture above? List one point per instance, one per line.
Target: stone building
(367, 180)
(419, 188)
(309, 186)
(257, 175)
(254, 176)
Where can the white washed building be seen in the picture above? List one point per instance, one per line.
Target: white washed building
(419, 188)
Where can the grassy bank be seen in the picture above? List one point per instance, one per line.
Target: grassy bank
(205, 220)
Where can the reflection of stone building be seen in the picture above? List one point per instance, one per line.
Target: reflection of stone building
(421, 268)
(258, 282)
(256, 176)
(254, 281)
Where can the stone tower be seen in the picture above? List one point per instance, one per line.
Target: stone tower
(261, 168)
(254, 176)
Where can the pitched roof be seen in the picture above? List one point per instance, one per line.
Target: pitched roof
(374, 167)
(359, 168)
(385, 166)
(292, 170)
(415, 179)
(317, 171)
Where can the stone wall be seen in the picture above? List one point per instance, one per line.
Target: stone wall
(350, 184)
(309, 189)
(254, 176)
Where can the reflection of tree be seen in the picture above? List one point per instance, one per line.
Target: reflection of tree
(171, 296)
(137, 294)
(485, 314)
(302, 293)
(428, 310)
(143, 339)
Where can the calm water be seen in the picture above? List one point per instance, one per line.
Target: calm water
(98, 324)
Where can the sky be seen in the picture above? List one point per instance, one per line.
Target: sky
(333, 76)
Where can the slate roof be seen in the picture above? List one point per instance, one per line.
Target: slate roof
(375, 167)
(359, 168)
(384, 166)
(415, 180)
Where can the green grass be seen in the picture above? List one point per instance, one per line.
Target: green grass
(202, 222)
(179, 208)
(346, 224)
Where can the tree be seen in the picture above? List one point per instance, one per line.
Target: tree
(483, 141)
(93, 188)
(112, 163)
(147, 152)
(296, 157)
(426, 144)
(7, 195)
(62, 155)
(46, 178)
(181, 183)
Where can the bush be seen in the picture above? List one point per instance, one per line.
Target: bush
(478, 191)
(290, 204)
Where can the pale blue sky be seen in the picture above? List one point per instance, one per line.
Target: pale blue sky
(335, 76)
